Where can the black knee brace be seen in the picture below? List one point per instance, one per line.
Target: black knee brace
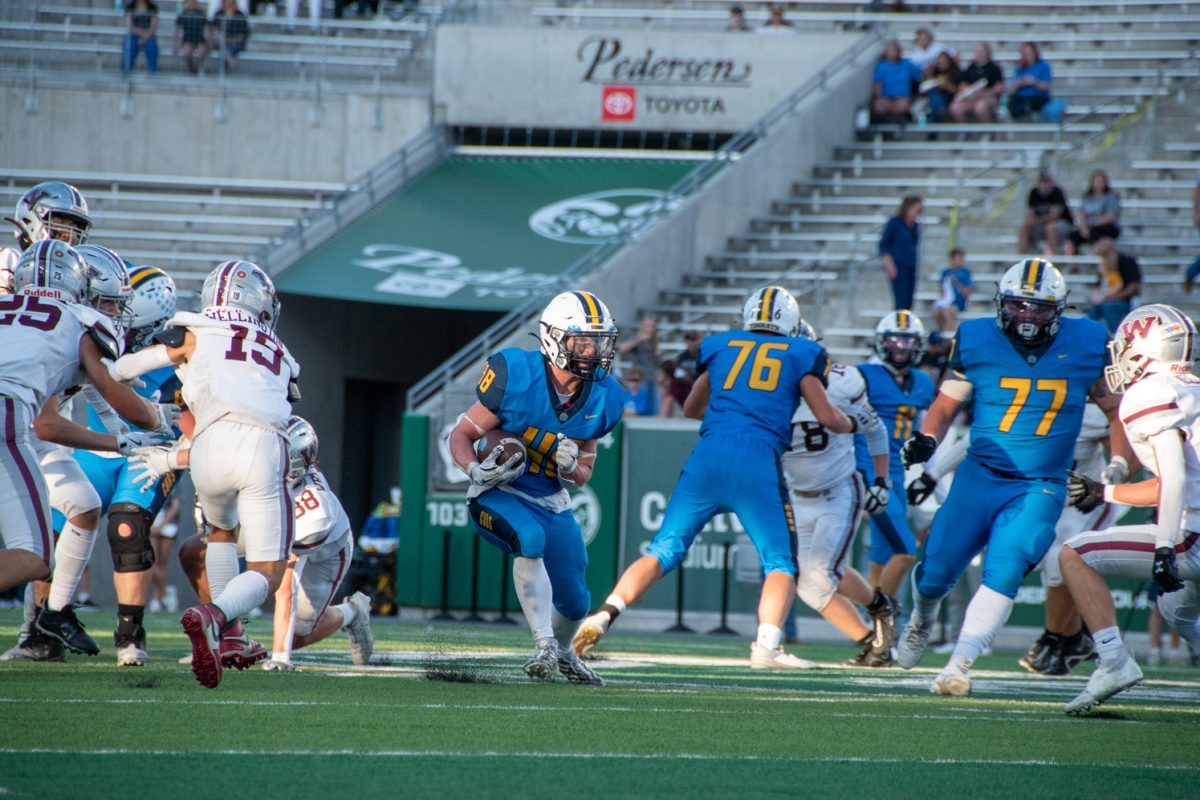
(132, 553)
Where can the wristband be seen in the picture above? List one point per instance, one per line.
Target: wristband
(1109, 496)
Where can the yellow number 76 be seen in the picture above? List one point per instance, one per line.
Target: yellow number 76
(764, 372)
(1021, 387)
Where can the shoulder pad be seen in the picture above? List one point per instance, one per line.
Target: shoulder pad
(171, 337)
(492, 382)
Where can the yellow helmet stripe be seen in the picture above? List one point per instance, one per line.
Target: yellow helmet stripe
(902, 320)
(143, 274)
(590, 307)
(768, 303)
(1033, 273)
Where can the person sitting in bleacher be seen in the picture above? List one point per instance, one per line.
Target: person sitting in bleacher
(229, 30)
(365, 7)
(892, 91)
(191, 36)
(957, 286)
(980, 88)
(1047, 216)
(925, 50)
(1099, 215)
(776, 24)
(941, 82)
(1031, 81)
(737, 21)
(141, 18)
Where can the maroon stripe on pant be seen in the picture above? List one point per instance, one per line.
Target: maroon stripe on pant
(289, 515)
(1150, 410)
(837, 565)
(39, 509)
(1136, 547)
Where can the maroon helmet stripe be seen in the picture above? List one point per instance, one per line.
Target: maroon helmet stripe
(223, 282)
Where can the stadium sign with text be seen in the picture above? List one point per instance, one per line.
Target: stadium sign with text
(659, 80)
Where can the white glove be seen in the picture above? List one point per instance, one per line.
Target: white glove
(1116, 472)
(148, 464)
(279, 665)
(567, 455)
(864, 417)
(130, 441)
(877, 496)
(488, 473)
(118, 376)
(168, 416)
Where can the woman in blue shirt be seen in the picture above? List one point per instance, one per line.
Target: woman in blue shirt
(892, 90)
(1031, 80)
(898, 250)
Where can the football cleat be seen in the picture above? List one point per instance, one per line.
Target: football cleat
(762, 658)
(278, 665)
(203, 624)
(911, 644)
(132, 654)
(575, 671)
(877, 651)
(186, 660)
(362, 640)
(1105, 683)
(953, 681)
(543, 664)
(238, 650)
(65, 627)
(1043, 655)
(1076, 650)
(36, 647)
(590, 632)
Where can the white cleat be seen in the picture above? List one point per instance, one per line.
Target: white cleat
(186, 660)
(762, 658)
(591, 631)
(362, 640)
(278, 665)
(911, 644)
(954, 681)
(1105, 683)
(543, 664)
(571, 667)
(131, 654)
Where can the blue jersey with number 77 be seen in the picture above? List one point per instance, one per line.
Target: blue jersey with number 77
(754, 382)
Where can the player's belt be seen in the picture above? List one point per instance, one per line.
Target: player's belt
(810, 493)
(1016, 476)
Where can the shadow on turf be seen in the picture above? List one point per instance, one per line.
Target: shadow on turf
(139, 681)
(439, 666)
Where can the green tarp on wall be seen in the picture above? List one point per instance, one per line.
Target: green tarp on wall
(484, 233)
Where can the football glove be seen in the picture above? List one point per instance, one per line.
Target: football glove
(1116, 471)
(130, 441)
(168, 417)
(863, 417)
(488, 473)
(148, 464)
(877, 496)
(1166, 573)
(918, 449)
(567, 454)
(920, 489)
(1083, 492)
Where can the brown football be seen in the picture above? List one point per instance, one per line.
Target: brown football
(512, 444)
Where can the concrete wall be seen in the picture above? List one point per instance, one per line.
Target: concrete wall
(267, 135)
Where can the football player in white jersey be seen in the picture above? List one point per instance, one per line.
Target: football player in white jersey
(238, 380)
(827, 497)
(50, 210)
(49, 341)
(1153, 354)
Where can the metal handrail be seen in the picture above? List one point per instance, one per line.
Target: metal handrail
(687, 185)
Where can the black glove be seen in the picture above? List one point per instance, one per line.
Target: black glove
(1166, 573)
(920, 489)
(877, 496)
(1084, 493)
(918, 449)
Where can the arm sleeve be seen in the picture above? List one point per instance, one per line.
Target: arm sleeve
(1172, 484)
(820, 367)
(112, 422)
(490, 389)
(877, 438)
(1149, 408)
(949, 454)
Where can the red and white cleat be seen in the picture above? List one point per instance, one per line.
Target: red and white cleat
(203, 624)
(238, 650)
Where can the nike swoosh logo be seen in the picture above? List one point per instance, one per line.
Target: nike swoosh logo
(590, 416)
(1063, 355)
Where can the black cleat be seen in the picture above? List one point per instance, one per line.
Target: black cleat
(1074, 651)
(1044, 656)
(877, 651)
(66, 628)
(884, 609)
(36, 647)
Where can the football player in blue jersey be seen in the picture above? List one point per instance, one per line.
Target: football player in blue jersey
(560, 401)
(1028, 375)
(130, 507)
(751, 382)
(900, 393)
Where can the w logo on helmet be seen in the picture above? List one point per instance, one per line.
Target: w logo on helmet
(1139, 328)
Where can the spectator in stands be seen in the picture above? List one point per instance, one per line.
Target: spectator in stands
(314, 14)
(776, 24)
(940, 85)
(1120, 279)
(737, 21)
(365, 7)
(685, 369)
(141, 20)
(898, 250)
(1047, 216)
(1099, 214)
(1194, 269)
(956, 291)
(638, 393)
(642, 350)
(213, 5)
(1031, 83)
(191, 36)
(892, 91)
(980, 88)
(925, 50)
(229, 31)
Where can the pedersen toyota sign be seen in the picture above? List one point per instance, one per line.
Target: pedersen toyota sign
(658, 80)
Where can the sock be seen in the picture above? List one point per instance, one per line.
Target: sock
(243, 594)
(30, 613)
(71, 556)
(534, 591)
(925, 609)
(769, 636)
(1109, 648)
(221, 564)
(986, 612)
(613, 606)
(349, 613)
(564, 630)
(129, 619)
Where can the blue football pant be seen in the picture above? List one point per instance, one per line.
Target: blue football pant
(890, 531)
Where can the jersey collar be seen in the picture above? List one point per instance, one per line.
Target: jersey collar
(563, 413)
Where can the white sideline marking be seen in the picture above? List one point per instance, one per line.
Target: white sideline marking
(1033, 762)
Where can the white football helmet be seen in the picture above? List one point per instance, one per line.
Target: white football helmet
(152, 304)
(900, 340)
(806, 331)
(578, 334)
(51, 268)
(1029, 301)
(1151, 339)
(302, 447)
(52, 210)
(772, 309)
(241, 284)
(109, 290)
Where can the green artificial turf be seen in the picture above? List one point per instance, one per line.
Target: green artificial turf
(446, 712)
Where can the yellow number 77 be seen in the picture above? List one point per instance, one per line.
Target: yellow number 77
(1021, 387)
